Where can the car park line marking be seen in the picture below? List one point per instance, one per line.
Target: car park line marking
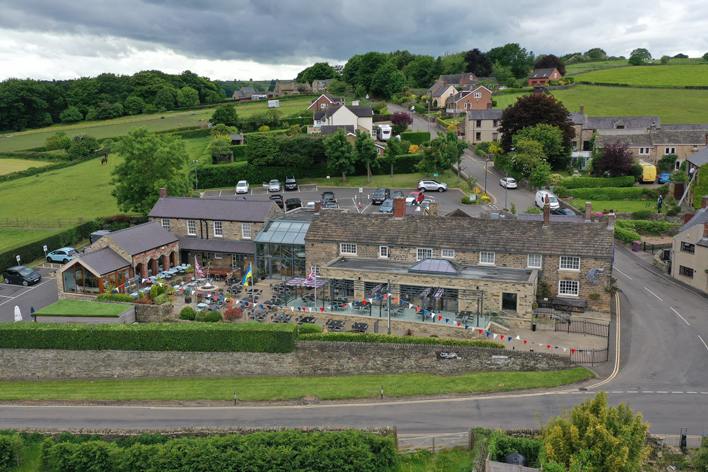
(648, 391)
(684, 320)
(661, 391)
(615, 268)
(704, 343)
(28, 290)
(657, 296)
(692, 393)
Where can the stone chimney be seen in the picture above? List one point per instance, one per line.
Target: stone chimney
(652, 128)
(318, 207)
(163, 192)
(705, 230)
(546, 213)
(434, 209)
(588, 211)
(489, 105)
(611, 221)
(399, 207)
(687, 217)
(582, 109)
(704, 201)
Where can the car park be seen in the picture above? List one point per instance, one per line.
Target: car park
(429, 185)
(328, 197)
(290, 183)
(331, 204)
(508, 182)
(380, 195)
(62, 255)
(397, 194)
(415, 197)
(277, 198)
(310, 205)
(21, 275)
(563, 212)
(274, 186)
(292, 203)
(386, 206)
(242, 187)
(664, 177)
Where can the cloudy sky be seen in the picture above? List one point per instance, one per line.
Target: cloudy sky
(266, 39)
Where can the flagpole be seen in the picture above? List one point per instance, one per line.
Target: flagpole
(250, 269)
(314, 271)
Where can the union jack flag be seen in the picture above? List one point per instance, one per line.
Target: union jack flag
(311, 276)
(200, 272)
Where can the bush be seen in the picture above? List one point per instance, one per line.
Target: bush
(233, 314)
(154, 291)
(115, 297)
(199, 317)
(533, 210)
(642, 215)
(221, 337)
(626, 235)
(500, 445)
(7, 453)
(465, 201)
(555, 178)
(482, 148)
(309, 328)
(416, 137)
(162, 298)
(671, 212)
(597, 182)
(187, 313)
(213, 317)
(609, 193)
(391, 338)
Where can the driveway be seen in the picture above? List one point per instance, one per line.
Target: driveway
(38, 296)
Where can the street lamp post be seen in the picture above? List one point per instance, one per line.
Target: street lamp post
(486, 161)
(506, 188)
(196, 177)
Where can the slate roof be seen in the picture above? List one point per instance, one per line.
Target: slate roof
(217, 209)
(318, 115)
(701, 217)
(472, 234)
(630, 122)
(457, 214)
(685, 127)
(141, 238)
(103, 261)
(333, 99)
(699, 158)
(631, 140)
(453, 79)
(238, 94)
(229, 246)
(362, 111)
(247, 90)
(439, 90)
(657, 138)
(577, 118)
(333, 129)
(484, 115)
(541, 73)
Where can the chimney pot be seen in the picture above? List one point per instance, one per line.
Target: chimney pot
(704, 201)
(582, 109)
(318, 207)
(163, 192)
(611, 221)
(588, 211)
(399, 207)
(434, 209)
(546, 213)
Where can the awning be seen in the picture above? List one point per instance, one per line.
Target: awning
(303, 282)
(424, 293)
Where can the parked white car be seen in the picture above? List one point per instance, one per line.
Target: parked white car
(274, 186)
(508, 182)
(242, 186)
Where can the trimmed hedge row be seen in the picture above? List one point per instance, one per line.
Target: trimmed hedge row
(33, 251)
(626, 235)
(608, 193)
(239, 153)
(247, 337)
(392, 338)
(627, 230)
(607, 84)
(283, 450)
(500, 445)
(7, 453)
(597, 182)
(416, 137)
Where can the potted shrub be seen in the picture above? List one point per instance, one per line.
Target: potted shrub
(594, 296)
(534, 305)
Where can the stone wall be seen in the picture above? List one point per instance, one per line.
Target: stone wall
(308, 359)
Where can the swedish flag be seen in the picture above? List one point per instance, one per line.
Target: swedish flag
(248, 274)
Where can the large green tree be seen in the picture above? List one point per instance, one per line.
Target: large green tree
(225, 114)
(436, 155)
(187, 97)
(550, 61)
(317, 71)
(478, 63)
(365, 151)
(513, 56)
(340, 153)
(393, 149)
(643, 53)
(596, 54)
(151, 162)
(387, 81)
(551, 138)
(422, 71)
(370, 64)
(165, 98)
(455, 149)
(350, 74)
(134, 105)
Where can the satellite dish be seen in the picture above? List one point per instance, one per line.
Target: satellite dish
(18, 314)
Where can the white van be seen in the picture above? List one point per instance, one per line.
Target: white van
(541, 199)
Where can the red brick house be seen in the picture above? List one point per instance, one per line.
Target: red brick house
(325, 101)
(542, 76)
(479, 98)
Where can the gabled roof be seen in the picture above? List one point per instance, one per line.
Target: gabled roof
(250, 90)
(459, 96)
(318, 115)
(542, 73)
(629, 122)
(361, 111)
(335, 128)
(101, 261)
(331, 98)
(576, 117)
(699, 158)
(685, 127)
(457, 214)
(664, 136)
(484, 115)
(631, 140)
(141, 238)
(239, 94)
(440, 89)
(700, 218)
(215, 209)
(451, 79)
(470, 234)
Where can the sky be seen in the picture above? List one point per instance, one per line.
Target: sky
(275, 39)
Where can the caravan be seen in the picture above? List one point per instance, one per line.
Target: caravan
(383, 132)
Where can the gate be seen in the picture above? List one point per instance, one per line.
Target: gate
(433, 442)
(582, 327)
(590, 356)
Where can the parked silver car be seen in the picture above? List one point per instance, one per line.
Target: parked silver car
(274, 186)
(430, 185)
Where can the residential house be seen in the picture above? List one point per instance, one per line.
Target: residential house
(141, 251)
(465, 80)
(351, 118)
(318, 119)
(245, 93)
(439, 93)
(324, 101)
(482, 126)
(480, 98)
(592, 124)
(542, 76)
(290, 88)
(651, 146)
(238, 95)
(452, 265)
(216, 229)
(689, 253)
(321, 86)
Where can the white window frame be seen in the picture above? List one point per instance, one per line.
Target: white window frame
(166, 223)
(569, 288)
(218, 229)
(423, 253)
(478, 95)
(323, 105)
(316, 269)
(669, 150)
(447, 253)
(484, 258)
(191, 228)
(383, 252)
(218, 256)
(246, 230)
(347, 248)
(466, 105)
(569, 263)
(536, 262)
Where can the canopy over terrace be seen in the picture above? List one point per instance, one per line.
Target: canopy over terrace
(303, 282)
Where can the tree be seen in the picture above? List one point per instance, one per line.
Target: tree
(540, 174)
(596, 54)
(513, 56)
(503, 74)
(294, 130)
(550, 62)
(615, 160)
(82, 146)
(451, 63)
(387, 81)
(665, 59)
(532, 110)
(365, 151)
(350, 74)
(436, 155)
(58, 140)
(551, 139)
(393, 149)
(134, 105)
(151, 162)
(71, 115)
(454, 150)
(636, 61)
(380, 108)
(705, 56)
(642, 53)
(478, 63)
(525, 157)
(317, 71)
(337, 86)
(187, 97)
(165, 98)
(222, 130)
(340, 153)
(225, 114)
(370, 64)
(422, 71)
(401, 120)
(219, 147)
(601, 438)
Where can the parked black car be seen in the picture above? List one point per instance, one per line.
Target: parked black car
(328, 197)
(277, 198)
(292, 203)
(290, 183)
(21, 275)
(380, 195)
(563, 212)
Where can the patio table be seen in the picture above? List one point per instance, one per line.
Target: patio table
(360, 327)
(202, 305)
(308, 319)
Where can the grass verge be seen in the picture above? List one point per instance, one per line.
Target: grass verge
(82, 308)
(283, 388)
(397, 181)
(668, 75)
(619, 206)
(455, 459)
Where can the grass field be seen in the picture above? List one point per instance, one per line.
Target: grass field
(621, 206)
(81, 308)
(398, 180)
(668, 75)
(281, 388)
(581, 68)
(8, 166)
(13, 237)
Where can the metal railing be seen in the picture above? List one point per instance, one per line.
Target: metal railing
(582, 327)
(590, 356)
(433, 442)
(40, 222)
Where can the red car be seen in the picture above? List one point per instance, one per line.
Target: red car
(415, 197)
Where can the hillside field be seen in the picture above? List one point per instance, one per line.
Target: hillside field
(13, 237)
(580, 68)
(8, 166)
(668, 75)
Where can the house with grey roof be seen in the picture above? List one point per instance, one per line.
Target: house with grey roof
(653, 144)
(350, 118)
(482, 125)
(324, 101)
(542, 76)
(439, 93)
(689, 252)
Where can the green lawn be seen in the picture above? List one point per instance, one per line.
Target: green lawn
(398, 181)
(13, 237)
(281, 388)
(668, 75)
(580, 68)
(620, 206)
(8, 166)
(82, 308)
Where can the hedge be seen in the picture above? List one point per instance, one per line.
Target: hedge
(500, 445)
(597, 182)
(239, 153)
(33, 251)
(384, 117)
(298, 121)
(626, 235)
(392, 338)
(115, 297)
(247, 337)
(283, 450)
(627, 230)
(7, 453)
(416, 137)
(513, 90)
(609, 193)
